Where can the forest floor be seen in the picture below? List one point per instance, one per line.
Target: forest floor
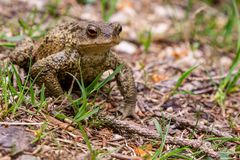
(184, 58)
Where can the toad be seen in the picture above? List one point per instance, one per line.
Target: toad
(77, 47)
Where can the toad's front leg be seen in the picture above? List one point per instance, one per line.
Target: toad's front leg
(125, 82)
(47, 69)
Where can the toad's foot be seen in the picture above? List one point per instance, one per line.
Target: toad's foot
(128, 111)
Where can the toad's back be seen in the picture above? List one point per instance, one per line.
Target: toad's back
(57, 39)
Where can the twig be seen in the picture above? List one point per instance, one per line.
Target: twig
(5, 158)
(72, 143)
(19, 123)
(124, 157)
(192, 124)
(62, 125)
(140, 130)
(219, 77)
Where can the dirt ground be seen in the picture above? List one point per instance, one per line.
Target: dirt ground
(195, 123)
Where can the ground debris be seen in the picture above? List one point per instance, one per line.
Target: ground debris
(199, 127)
(15, 139)
(28, 157)
(177, 40)
(143, 131)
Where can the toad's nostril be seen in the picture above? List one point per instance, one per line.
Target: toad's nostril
(118, 28)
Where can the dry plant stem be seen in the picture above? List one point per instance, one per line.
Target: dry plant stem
(5, 158)
(140, 130)
(192, 124)
(83, 146)
(124, 157)
(62, 125)
(210, 78)
(19, 123)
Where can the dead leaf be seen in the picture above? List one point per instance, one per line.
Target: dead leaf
(158, 78)
(140, 113)
(124, 4)
(179, 53)
(148, 147)
(140, 151)
(237, 129)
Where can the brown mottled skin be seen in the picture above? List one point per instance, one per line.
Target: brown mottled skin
(73, 46)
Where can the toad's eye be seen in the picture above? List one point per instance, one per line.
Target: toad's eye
(92, 31)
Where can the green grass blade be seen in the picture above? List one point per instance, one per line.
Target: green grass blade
(230, 23)
(231, 85)
(175, 153)
(86, 139)
(19, 82)
(184, 76)
(230, 139)
(14, 38)
(238, 24)
(32, 94)
(221, 93)
(110, 77)
(23, 24)
(159, 151)
(86, 115)
(12, 90)
(7, 44)
(93, 84)
(42, 98)
(108, 8)
(81, 111)
(159, 128)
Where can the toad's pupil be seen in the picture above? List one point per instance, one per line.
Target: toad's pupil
(92, 31)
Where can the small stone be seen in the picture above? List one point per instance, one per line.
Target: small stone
(203, 122)
(169, 109)
(45, 148)
(89, 12)
(126, 47)
(117, 137)
(5, 158)
(124, 16)
(39, 4)
(28, 157)
(169, 11)
(15, 139)
(159, 30)
(83, 156)
(225, 61)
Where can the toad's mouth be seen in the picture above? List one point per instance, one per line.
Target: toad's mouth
(99, 45)
(96, 48)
